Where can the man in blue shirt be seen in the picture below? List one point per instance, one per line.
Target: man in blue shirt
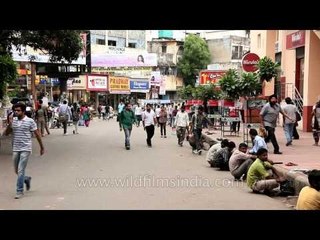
(258, 142)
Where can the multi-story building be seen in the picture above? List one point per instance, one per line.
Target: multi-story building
(121, 53)
(226, 48)
(168, 52)
(297, 51)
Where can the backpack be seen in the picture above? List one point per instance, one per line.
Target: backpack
(75, 115)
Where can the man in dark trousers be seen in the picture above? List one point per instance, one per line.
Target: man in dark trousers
(269, 115)
(149, 120)
(127, 118)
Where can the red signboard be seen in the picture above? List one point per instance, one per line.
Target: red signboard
(295, 40)
(210, 76)
(194, 102)
(249, 62)
(213, 103)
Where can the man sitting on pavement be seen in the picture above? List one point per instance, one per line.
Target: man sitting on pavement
(240, 162)
(262, 177)
(258, 142)
(309, 197)
(214, 148)
(221, 157)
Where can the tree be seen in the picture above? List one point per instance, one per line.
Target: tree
(249, 85)
(233, 86)
(186, 92)
(267, 69)
(8, 72)
(61, 45)
(206, 92)
(196, 56)
(229, 84)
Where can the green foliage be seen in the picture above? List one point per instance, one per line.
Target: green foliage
(201, 92)
(15, 93)
(267, 69)
(61, 45)
(8, 72)
(186, 92)
(206, 92)
(234, 87)
(196, 56)
(229, 84)
(249, 85)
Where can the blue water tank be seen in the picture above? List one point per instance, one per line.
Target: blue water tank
(165, 34)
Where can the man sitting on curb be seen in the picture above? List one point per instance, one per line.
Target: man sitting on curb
(221, 157)
(309, 197)
(262, 177)
(258, 141)
(213, 149)
(240, 162)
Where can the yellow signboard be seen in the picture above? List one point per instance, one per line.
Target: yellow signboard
(119, 85)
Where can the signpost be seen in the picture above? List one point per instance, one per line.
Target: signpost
(249, 62)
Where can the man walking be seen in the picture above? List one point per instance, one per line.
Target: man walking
(127, 118)
(22, 126)
(148, 121)
(182, 123)
(269, 114)
(290, 109)
(64, 115)
(196, 127)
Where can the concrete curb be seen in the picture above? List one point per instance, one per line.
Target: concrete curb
(299, 179)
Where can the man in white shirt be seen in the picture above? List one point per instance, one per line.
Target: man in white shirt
(158, 110)
(138, 113)
(290, 109)
(21, 127)
(64, 115)
(148, 121)
(181, 122)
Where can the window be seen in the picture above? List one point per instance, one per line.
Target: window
(98, 39)
(101, 41)
(237, 52)
(112, 43)
(132, 45)
(164, 49)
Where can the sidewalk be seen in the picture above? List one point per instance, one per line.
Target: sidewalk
(301, 153)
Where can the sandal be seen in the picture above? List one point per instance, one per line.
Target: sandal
(291, 164)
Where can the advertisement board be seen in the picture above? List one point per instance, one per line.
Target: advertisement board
(97, 82)
(119, 85)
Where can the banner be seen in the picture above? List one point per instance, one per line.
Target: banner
(156, 78)
(119, 85)
(97, 83)
(78, 83)
(124, 60)
(139, 85)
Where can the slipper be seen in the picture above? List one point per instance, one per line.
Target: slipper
(291, 164)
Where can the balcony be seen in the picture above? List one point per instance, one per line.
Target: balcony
(165, 59)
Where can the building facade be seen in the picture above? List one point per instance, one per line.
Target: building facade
(226, 48)
(297, 51)
(121, 53)
(168, 51)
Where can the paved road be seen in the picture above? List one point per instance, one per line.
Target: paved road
(163, 177)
